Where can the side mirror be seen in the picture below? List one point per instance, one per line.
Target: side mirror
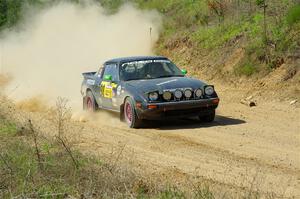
(107, 78)
(184, 71)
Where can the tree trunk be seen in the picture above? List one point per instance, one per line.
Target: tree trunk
(265, 32)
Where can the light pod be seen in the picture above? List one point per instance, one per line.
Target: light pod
(167, 95)
(178, 94)
(188, 93)
(198, 93)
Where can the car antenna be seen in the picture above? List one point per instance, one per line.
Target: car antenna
(151, 35)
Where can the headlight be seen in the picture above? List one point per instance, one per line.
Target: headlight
(198, 93)
(209, 90)
(167, 95)
(178, 94)
(188, 93)
(153, 96)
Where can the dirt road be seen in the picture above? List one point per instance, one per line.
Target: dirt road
(257, 148)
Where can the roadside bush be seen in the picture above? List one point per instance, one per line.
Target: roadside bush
(7, 128)
(246, 69)
(52, 173)
(171, 193)
(293, 15)
(111, 6)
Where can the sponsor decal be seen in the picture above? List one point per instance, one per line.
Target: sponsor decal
(114, 85)
(146, 61)
(119, 89)
(106, 89)
(137, 62)
(90, 82)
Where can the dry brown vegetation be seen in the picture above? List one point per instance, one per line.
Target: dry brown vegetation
(37, 166)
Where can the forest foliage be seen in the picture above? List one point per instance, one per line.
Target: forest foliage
(271, 28)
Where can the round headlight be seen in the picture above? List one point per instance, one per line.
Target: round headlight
(178, 94)
(209, 90)
(167, 95)
(153, 96)
(188, 93)
(198, 93)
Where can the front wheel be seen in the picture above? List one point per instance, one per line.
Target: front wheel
(130, 115)
(208, 117)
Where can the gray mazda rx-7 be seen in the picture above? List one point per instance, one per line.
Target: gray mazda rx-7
(147, 88)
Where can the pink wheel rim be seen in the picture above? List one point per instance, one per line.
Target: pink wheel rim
(128, 112)
(89, 104)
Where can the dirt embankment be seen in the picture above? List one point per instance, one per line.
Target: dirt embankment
(220, 66)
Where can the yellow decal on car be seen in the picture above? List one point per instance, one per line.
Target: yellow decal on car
(107, 89)
(114, 85)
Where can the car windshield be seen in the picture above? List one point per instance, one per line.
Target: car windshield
(148, 69)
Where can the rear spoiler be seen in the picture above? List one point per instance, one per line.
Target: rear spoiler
(88, 74)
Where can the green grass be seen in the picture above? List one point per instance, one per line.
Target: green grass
(247, 69)
(22, 174)
(293, 15)
(7, 128)
(20, 171)
(212, 37)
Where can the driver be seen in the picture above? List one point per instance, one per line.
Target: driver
(154, 70)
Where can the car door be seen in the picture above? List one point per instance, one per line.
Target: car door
(108, 86)
(96, 87)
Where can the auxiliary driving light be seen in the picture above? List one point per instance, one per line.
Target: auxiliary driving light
(167, 95)
(188, 93)
(178, 94)
(198, 93)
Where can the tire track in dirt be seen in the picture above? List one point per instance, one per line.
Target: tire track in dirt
(188, 142)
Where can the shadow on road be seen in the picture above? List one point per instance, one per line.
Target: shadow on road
(186, 123)
(192, 123)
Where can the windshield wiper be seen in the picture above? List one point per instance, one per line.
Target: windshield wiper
(139, 78)
(132, 79)
(154, 77)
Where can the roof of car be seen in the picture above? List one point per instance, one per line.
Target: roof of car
(137, 58)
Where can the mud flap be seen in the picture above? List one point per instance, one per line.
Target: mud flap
(122, 113)
(84, 103)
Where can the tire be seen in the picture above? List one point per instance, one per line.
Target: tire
(89, 103)
(130, 115)
(209, 117)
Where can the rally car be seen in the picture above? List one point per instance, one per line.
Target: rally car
(147, 88)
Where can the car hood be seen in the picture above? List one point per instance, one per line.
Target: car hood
(161, 84)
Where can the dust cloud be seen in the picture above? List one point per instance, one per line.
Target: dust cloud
(50, 49)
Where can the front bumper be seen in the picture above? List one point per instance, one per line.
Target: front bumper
(177, 109)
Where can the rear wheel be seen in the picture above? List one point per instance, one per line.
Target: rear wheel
(130, 115)
(89, 102)
(210, 117)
